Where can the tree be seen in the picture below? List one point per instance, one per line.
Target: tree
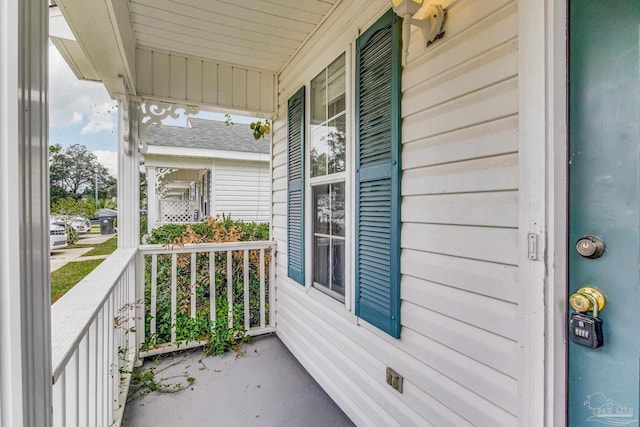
(71, 208)
(73, 172)
(107, 188)
(56, 174)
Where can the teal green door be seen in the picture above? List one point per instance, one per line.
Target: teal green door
(604, 176)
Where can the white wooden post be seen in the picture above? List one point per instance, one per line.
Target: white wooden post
(25, 337)
(128, 175)
(129, 209)
(152, 198)
(212, 189)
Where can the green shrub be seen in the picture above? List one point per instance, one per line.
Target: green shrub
(219, 336)
(143, 226)
(168, 233)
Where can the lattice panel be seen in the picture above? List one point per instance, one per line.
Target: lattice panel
(179, 211)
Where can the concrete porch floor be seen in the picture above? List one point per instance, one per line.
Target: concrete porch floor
(264, 386)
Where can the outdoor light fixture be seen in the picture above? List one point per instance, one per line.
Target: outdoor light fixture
(430, 22)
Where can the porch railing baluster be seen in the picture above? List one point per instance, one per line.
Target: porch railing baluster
(111, 344)
(59, 395)
(93, 375)
(83, 381)
(247, 307)
(101, 382)
(193, 285)
(71, 391)
(174, 294)
(154, 292)
(230, 287)
(212, 287)
(272, 288)
(262, 290)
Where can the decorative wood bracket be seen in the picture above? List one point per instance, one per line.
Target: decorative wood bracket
(153, 112)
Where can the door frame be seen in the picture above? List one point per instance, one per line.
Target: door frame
(543, 211)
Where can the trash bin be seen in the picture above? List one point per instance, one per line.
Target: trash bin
(106, 225)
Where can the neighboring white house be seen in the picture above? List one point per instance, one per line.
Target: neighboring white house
(431, 216)
(206, 168)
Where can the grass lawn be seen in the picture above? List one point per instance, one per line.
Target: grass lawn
(69, 275)
(79, 245)
(104, 248)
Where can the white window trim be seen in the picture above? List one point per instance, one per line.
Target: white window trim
(346, 308)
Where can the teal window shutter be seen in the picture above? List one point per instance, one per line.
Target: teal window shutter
(295, 186)
(378, 169)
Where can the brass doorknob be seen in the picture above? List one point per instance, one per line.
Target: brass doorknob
(585, 298)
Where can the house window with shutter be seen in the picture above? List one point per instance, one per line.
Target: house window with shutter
(378, 171)
(373, 209)
(295, 186)
(327, 159)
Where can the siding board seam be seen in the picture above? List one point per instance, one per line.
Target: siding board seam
(453, 224)
(404, 246)
(448, 131)
(460, 98)
(413, 276)
(466, 159)
(457, 319)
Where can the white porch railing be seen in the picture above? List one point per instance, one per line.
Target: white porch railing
(93, 344)
(188, 289)
(98, 327)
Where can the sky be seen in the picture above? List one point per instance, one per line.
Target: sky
(82, 112)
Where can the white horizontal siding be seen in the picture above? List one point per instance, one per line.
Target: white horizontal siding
(458, 351)
(241, 189)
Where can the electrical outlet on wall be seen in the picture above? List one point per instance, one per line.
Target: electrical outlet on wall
(394, 379)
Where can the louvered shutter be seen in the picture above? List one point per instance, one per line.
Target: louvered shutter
(295, 186)
(378, 175)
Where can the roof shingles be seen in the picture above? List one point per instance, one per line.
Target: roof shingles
(210, 135)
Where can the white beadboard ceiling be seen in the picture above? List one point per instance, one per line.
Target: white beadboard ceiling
(257, 34)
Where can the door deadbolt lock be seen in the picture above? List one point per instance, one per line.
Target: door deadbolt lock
(591, 247)
(588, 298)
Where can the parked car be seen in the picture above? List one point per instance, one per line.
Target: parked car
(57, 236)
(81, 225)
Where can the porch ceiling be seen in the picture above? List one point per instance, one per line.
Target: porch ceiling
(220, 54)
(257, 34)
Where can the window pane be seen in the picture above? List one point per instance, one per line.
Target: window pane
(319, 98)
(322, 209)
(337, 274)
(336, 87)
(318, 150)
(321, 248)
(336, 145)
(337, 209)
